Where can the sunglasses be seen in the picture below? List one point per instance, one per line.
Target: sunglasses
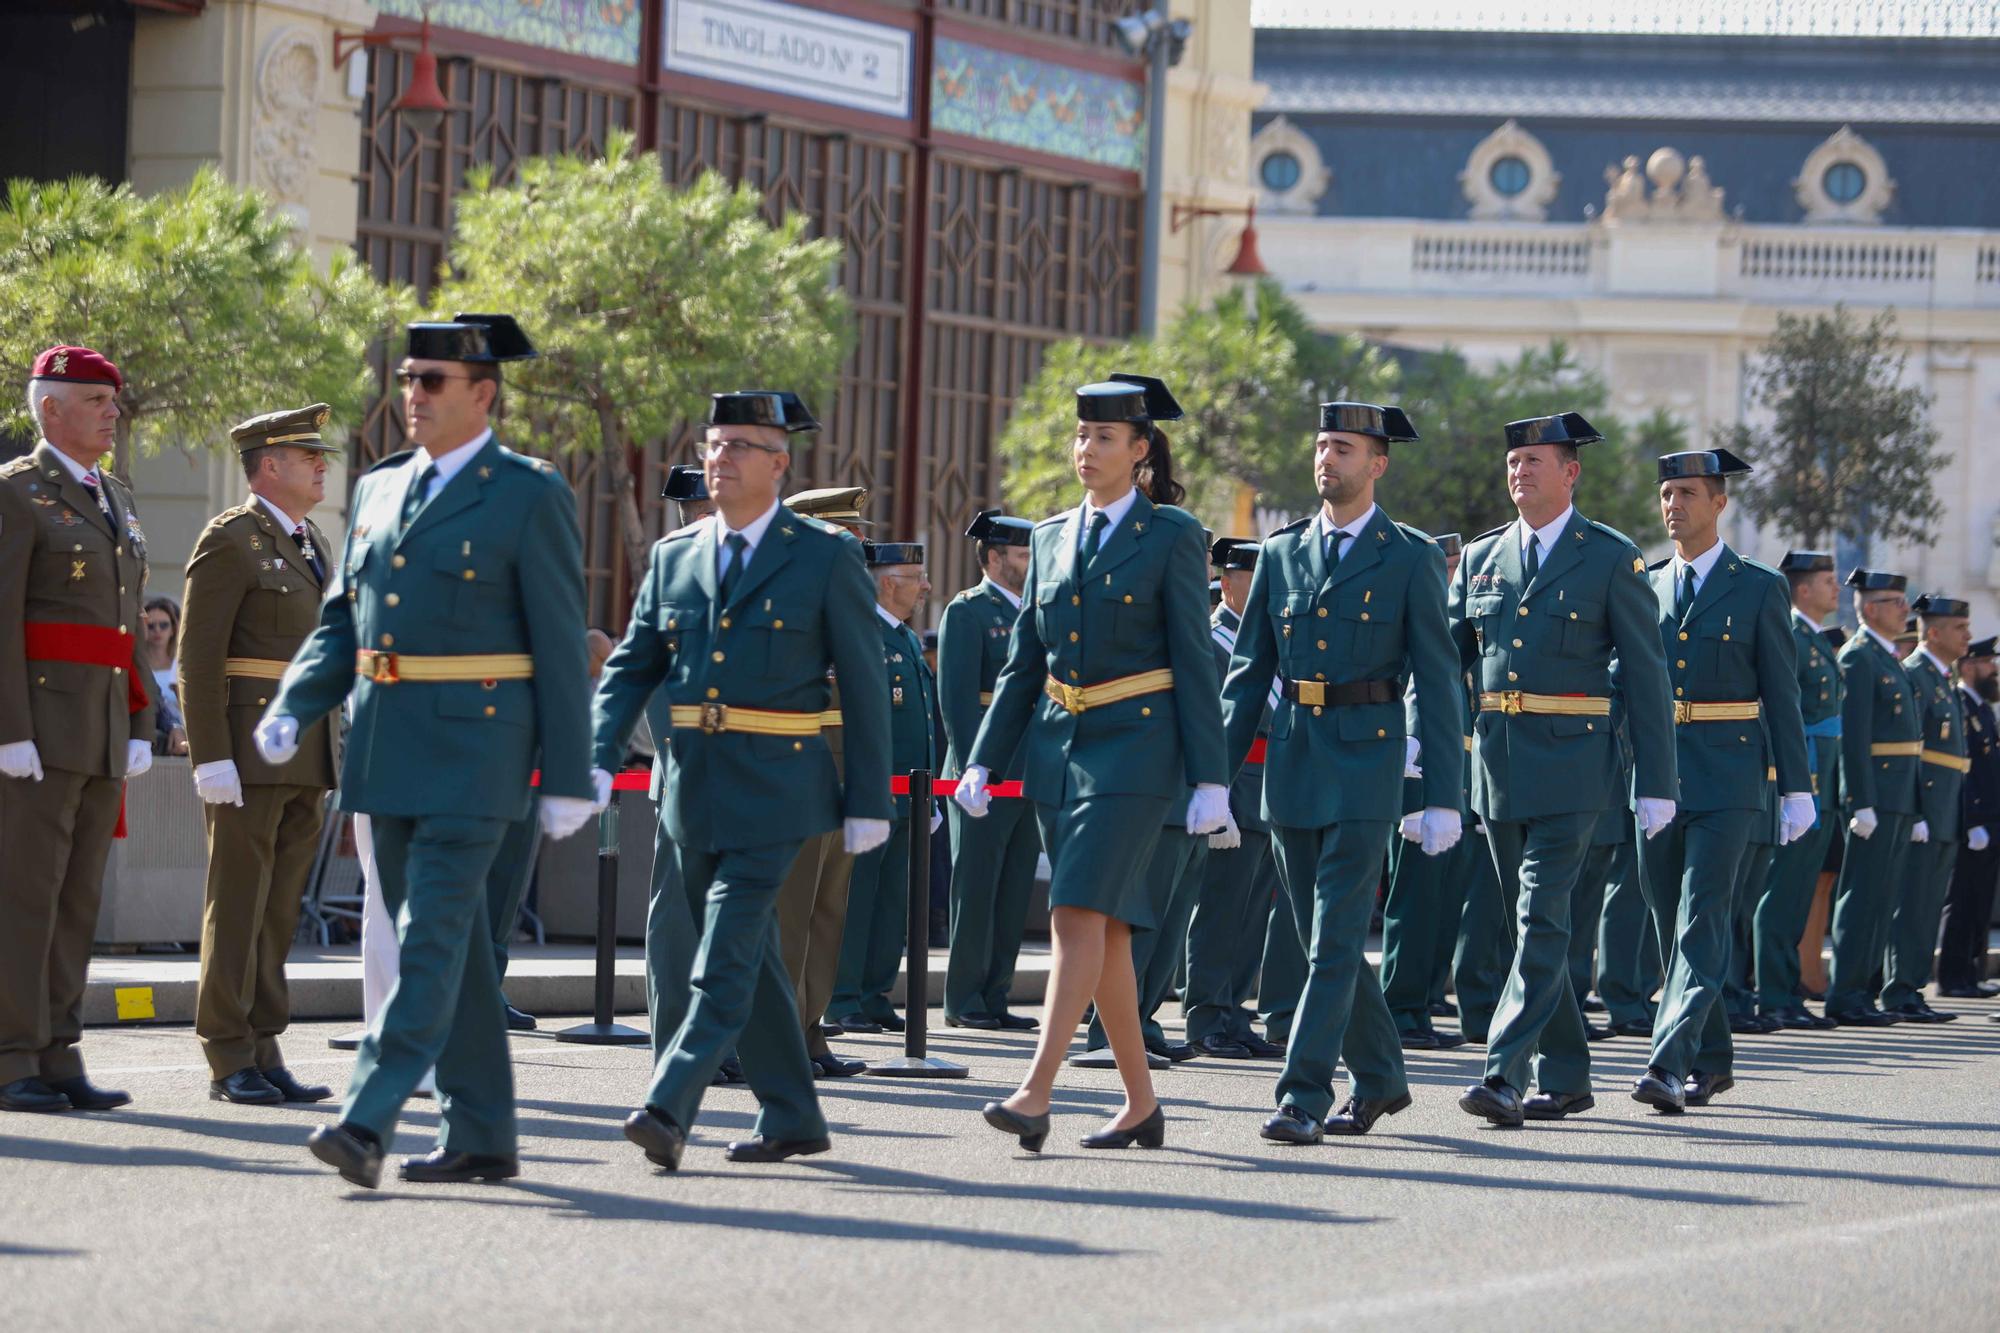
(432, 381)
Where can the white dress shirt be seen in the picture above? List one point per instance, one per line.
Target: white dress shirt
(285, 521)
(1545, 535)
(1013, 599)
(1701, 565)
(452, 462)
(1115, 511)
(1324, 530)
(752, 533)
(1888, 645)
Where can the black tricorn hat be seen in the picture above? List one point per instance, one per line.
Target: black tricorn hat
(1806, 562)
(1876, 580)
(1234, 552)
(1384, 423)
(469, 337)
(1984, 647)
(1909, 629)
(1134, 398)
(1562, 428)
(998, 529)
(893, 553)
(1450, 543)
(684, 483)
(1701, 463)
(777, 408)
(1933, 604)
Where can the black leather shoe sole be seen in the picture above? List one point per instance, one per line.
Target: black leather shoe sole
(1862, 1018)
(358, 1163)
(977, 1022)
(659, 1140)
(1019, 1023)
(1555, 1106)
(460, 1169)
(1222, 1048)
(775, 1150)
(268, 1096)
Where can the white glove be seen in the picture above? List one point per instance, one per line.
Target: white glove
(1412, 827)
(600, 791)
(937, 818)
(972, 796)
(20, 759)
(138, 757)
(864, 835)
(1442, 827)
(563, 815)
(277, 739)
(1795, 818)
(1208, 808)
(1230, 836)
(1655, 813)
(1976, 838)
(1922, 831)
(1863, 823)
(219, 783)
(1412, 747)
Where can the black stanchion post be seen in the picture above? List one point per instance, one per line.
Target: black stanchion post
(913, 1062)
(602, 1031)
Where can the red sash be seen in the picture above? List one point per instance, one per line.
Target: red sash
(89, 645)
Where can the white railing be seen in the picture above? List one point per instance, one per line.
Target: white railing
(1988, 271)
(1840, 260)
(1492, 256)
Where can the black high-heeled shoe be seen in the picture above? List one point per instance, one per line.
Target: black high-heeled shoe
(1148, 1133)
(1030, 1129)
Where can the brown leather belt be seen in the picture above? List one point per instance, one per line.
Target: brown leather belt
(1321, 694)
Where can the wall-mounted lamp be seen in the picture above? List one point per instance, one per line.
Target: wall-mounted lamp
(1247, 264)
(422, 102)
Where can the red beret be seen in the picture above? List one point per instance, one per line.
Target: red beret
(77, 365)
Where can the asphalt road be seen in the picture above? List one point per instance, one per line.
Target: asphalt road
(1851, 1180)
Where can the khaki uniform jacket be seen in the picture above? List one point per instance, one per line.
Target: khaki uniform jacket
(62, 561)
(251, 594)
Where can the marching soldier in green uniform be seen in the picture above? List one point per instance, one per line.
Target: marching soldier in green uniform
(878, 896)
(1881, 751)
(1739, 986)
(737, 621)
(1608, 844)
(1968, 910)
(992, 859)
(76, 719)
(1539, 609)
(1779, 920)
(1345, 608)
(1629, 969)
(455, 619)
(1725, 625)
(253, 590)
(1913, 919)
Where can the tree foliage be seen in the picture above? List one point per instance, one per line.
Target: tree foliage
(1849, 450)
(199, 296)
(643, 299)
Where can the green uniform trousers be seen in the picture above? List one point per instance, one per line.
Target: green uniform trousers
(673, 928)
(741, 998)
(1629, 967)
(1171, 884)
(1420, 917)
(1871, 872)
(55, 834)
(444, 1011)
(1226, 937)
(1470, 861)
(1914, 920)
(1739, 988)
(1586, 913)
(1779, 922)
(1486, 940)
(1689, 872)
(259, 856)
(507, 885)
(812, 920)
(1330, 876)
(992, 879)
(1281, 981)
(1537, 1017)
(878, 917)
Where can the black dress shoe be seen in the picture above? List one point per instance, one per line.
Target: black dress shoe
(1800, 1019)
(1148, 1133)
(1222, 1047)
(1443, 1010)
(830, 1065)
(728, 1072)
(350, 1150)
(658, 1137)
(1752, 1025)
(1018, 1023)
(1660, 1090)
(1961, 993)
(1293, 1126)
(1179, 1052)
(31, 1094)
(245, 1087)
(1263, 1050)
(890, 1023)
(1418, 1041)
(1595, 1032)
(1359, 1115)
(1495, 1101)
(1860, 1018)
(855, 1024)
(1915, 1011)
(293, 1090)
(439, 1167)
(1816, 996)
(1633, 1027)
(518, 1021)
(1556, 1105)
(1031, 1130)
(977, 1022)
(762, 1149)
(1590, 1004)
(1988, 989)
(1700, 1089)
(87, 1096)
(1448, 1041)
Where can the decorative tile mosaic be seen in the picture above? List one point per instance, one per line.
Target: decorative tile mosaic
(1036, 104)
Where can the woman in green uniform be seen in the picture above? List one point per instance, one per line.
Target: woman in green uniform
(1110, 677)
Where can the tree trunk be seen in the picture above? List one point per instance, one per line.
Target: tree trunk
(618, 456)
(121, 450)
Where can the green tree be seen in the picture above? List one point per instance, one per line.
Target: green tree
(1850, 451)
(200, 297)
(643, 299)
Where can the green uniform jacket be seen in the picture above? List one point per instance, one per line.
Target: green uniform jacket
(805, 602)
(1820, 697)
(1246, 789)
(1588, 602)
(973, 635)
(492, 563)
(1734, 646)
(1377, 615)
(912, 691)
(1142, 605)
(1880, 708)
(1939, 786)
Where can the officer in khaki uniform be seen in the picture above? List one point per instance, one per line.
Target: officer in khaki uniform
(76, 718)
(253, 591)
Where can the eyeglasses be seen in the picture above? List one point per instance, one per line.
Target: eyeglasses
(717, 448)
(432, 381)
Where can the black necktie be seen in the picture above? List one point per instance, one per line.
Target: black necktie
(1686, 597)
(415, 499)
(305, 541)
(1333, 543)
(1095, 537)
(103, 505)
(1534, 561)
(732, 568)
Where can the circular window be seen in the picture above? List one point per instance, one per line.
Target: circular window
(1844, 182)
(1509, 176)
(1280, 171)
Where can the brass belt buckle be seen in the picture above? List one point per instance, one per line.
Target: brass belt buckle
(382, 668)
(1312, 693)
(1510, 703)
(713, 716)
(1683, 711)
(1070, 697)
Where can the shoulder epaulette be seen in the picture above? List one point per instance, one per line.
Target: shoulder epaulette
(1610, 532)
(393, 460)
(24, 463)
(1761, 567)
(1299, 526)
(526, 461)
(1492, 532)
(681, 534)
(1053, 518)
(1176, 514)
(1660, 564)
(1418, 533)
